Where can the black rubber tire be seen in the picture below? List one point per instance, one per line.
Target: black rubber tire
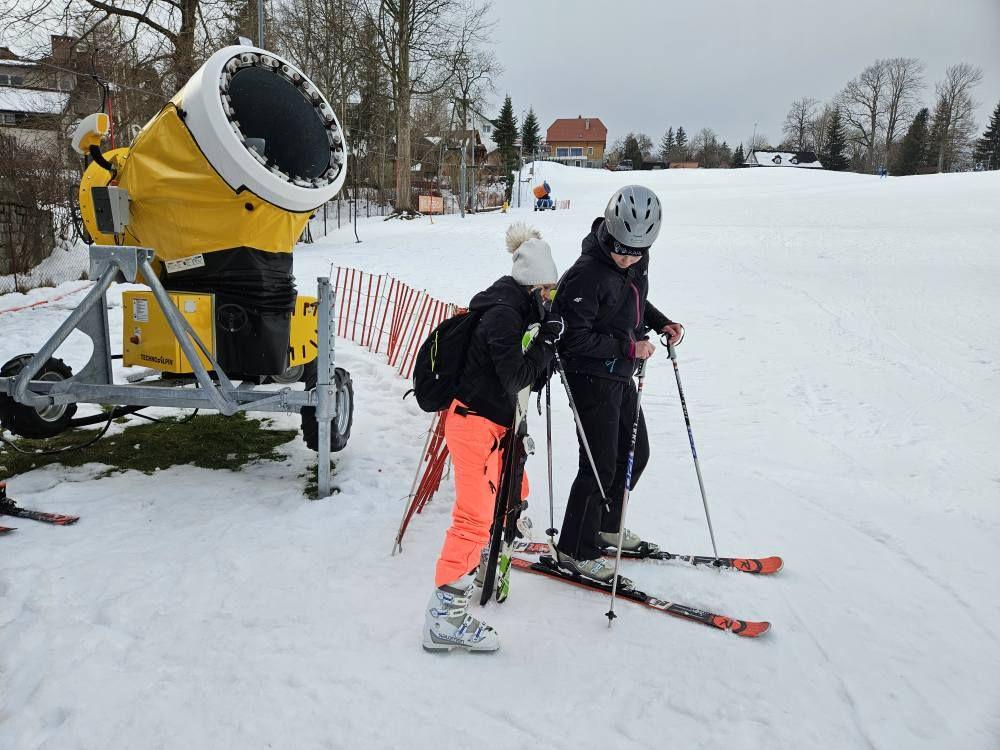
(27, 421)
(340, 427)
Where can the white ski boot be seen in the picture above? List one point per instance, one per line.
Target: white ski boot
(631, 543)
(449, 625)
(600, 570)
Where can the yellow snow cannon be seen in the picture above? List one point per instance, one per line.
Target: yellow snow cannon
(220, 183)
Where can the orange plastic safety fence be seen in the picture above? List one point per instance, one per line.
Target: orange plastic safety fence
(386, 315)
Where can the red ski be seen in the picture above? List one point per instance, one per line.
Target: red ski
(744, 628)
(754, 565)
(6, 529)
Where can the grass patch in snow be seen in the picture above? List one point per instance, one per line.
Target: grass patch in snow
(312, 481)
(210, 441)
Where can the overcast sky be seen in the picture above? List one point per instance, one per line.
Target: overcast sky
(725, 64)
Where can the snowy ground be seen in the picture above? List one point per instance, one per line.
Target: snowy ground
(843, 382)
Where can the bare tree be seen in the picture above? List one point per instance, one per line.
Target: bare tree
(956, 107)
(904, 78)
(172, 34)
(796, 128)
(319, 37)
(420, 44)
(863, 105)
(818, 127)
(705, 146)
(759, 142)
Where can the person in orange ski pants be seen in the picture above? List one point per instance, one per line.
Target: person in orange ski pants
(496, 369)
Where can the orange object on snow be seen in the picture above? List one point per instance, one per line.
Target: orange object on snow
(542, 190)
(474, 445)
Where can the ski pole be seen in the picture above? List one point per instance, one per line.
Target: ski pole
(694, 453)
(548, 437)
(579, 424)
(628, 486)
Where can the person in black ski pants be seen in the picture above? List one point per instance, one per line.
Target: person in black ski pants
(602, 300)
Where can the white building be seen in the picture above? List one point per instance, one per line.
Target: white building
(768, 158)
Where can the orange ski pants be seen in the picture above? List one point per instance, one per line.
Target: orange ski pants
(474, 445)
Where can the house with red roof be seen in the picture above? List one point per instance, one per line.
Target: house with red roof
(578, 142)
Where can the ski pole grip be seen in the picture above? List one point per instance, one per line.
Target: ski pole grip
(671, 352)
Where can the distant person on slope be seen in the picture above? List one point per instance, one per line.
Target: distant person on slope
(602, 299)
(496, 369)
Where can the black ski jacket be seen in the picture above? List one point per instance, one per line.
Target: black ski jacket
(495, 368)
(605, 310)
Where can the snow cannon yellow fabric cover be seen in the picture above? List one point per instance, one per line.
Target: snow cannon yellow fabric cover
(239, 158)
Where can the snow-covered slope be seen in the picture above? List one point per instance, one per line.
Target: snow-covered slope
(843, 381)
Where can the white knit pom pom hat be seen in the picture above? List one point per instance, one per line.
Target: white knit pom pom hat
(533, 264)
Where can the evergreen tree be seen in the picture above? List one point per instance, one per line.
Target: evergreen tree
(667, 144)
(529, 134)
(680, 152)
(725, 154)
(835, 157)
(505, 134)
(738, 157)
(939, 126)
(632, 150)
(912, 152)
(988, 147)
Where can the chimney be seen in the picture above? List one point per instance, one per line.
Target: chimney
(586, 124)
(62, 47)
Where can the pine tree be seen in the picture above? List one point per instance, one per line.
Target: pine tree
(725, 154)
(939, 125)
(667, 144)
(529, 134)
(836, 144)
(988, 147)
(680, 152)
(738, 157)
(632, 150)
(505, 134)
(912, 152)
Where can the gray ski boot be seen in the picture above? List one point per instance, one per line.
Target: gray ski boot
(631, 543)
(449, 625)
(600, 570)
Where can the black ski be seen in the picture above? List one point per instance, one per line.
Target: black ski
(546, 566)
(508, 507)
(9, 508)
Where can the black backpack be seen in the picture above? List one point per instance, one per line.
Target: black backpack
(440, 361)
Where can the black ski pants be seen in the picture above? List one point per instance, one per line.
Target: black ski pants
(607, 411)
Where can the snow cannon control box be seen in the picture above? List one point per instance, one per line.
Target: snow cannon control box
(147, 338)
(149, 342)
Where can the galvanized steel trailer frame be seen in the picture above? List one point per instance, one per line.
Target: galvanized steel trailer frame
(94, 383)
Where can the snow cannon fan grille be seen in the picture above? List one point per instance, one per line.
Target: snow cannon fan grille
(282, 120)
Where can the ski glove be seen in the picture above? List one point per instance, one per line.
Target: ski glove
(552, 328)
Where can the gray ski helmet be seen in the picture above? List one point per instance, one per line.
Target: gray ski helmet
(633, 216)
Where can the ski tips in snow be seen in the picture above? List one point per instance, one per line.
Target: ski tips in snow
(546, 566)
(9, 508)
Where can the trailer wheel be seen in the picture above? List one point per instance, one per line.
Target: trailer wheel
(340, 426)
(28, 421)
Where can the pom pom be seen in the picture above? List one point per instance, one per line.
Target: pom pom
(518, 234)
